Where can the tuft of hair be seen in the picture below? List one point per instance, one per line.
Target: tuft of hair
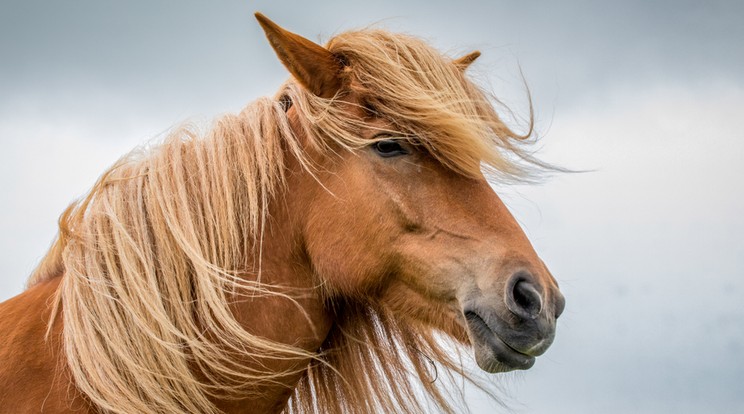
(168, 236)
(154, 255)
(377, 361)
(429, 100)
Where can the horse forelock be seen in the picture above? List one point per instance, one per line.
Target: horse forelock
(430, 100)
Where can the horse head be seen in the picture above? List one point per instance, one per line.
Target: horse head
(402, 214)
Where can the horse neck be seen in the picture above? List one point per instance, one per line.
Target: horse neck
(283, 262)
(298, 316)
(302, 321)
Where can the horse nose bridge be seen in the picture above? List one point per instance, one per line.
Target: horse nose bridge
(485, 211)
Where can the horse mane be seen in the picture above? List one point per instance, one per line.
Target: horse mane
(169, 234)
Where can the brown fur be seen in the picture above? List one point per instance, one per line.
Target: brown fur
(279, 263)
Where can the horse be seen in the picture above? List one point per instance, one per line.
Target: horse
(324, 250)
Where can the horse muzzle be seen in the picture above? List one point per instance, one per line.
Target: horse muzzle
(509, 331)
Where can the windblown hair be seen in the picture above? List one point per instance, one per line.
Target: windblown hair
(154, 253)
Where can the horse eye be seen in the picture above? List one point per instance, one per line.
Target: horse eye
(389, 148)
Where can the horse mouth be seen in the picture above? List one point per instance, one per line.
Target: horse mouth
(493, 354)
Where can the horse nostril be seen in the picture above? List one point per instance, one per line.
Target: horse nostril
(524, 300)
(560, 304)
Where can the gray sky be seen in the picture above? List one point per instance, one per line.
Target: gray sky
(648, 247)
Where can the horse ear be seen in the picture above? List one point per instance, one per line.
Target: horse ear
(465, 61)
(317, 69)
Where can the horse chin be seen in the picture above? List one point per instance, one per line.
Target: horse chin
(493, 354)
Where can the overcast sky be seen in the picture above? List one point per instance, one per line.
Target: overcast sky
(648, 247)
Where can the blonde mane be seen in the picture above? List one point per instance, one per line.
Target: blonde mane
(168, 235)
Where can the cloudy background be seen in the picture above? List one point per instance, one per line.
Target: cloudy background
(649, 96)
